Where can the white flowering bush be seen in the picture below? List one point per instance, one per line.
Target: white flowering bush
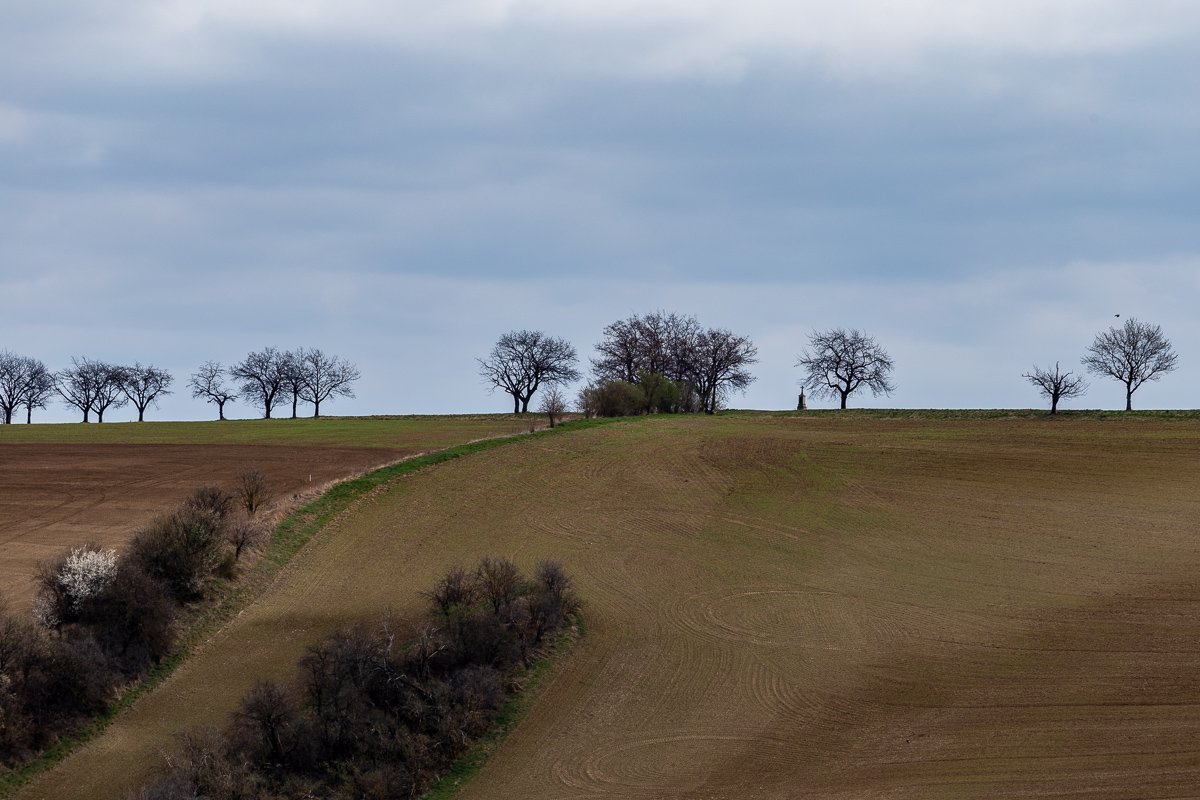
(71, 581)
(86, 573)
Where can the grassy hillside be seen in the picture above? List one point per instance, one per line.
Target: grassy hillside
(787, 605)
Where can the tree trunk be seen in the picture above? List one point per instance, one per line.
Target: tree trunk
(295, 400)
(141, 413)
(316, 408)
(1053, 405)
(516, 403)
(221, 410)
(266, 409)
(8, 416)
(29, 415)
(524, 404)
(844, 396)
(99, 415)
(1128, 398)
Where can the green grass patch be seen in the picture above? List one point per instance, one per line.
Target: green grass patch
(289, 536)
(384, 432)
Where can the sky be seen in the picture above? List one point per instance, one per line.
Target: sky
(979, 185)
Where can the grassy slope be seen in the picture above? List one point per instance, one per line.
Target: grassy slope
(818, 605)
(384, 432)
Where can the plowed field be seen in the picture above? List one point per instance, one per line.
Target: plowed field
(782, 607)
(66, 485)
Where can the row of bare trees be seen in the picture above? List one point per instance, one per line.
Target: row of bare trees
(840, 362)
(267, 378)
(270, 378)
(89, 386)
(659, 361)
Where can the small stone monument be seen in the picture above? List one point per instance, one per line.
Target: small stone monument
(802, 403)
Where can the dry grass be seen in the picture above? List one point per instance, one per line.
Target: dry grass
(834, 607)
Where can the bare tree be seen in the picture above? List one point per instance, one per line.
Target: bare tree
(143, 385)
(553, 405)
(39, 390)
(841, 362)
(15, 374)
(109, 392)
(292, 362)
(720, 365)
(656, 343)
(325, 377)
(91, 386)
(1056, 385)
(263, 375)
(209, 382)
(243, 534)
(252, 490)
(522, 361)
(1132, 354)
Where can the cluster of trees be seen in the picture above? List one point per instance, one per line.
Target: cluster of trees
(102, 619)
(372, 717)
(656, 362)
(90, 387)
(270, 378)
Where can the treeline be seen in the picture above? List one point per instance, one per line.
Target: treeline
(102, 619)
(656, 362)
(266, 378)
(371, 717)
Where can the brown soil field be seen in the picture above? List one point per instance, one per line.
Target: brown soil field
(59, 496)
(66, 485)
(785, 606)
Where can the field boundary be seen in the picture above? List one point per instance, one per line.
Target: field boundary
(295, 530)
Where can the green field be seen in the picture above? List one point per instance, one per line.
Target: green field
(381, 432)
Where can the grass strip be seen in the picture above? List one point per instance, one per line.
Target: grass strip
(515, 708)
(289, 536)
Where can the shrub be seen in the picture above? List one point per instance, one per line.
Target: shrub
(661, 394)
(67, 583)
(210, 498)
(620, 399)
(252, 490)
(133, 619)
(181, 550)
(242, 534)
(369, 718)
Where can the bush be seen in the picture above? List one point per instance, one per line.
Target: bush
(369, 718)
(619, 399)
(67, 583)
(252, 490)
(661, 394)
(182, 550)
(210, 498)
(133, 619)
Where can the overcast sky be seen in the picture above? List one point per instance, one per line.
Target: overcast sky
(980, 185)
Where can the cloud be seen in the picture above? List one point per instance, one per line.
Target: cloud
(669, 39)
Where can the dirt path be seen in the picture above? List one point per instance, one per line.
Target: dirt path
(786, 607)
